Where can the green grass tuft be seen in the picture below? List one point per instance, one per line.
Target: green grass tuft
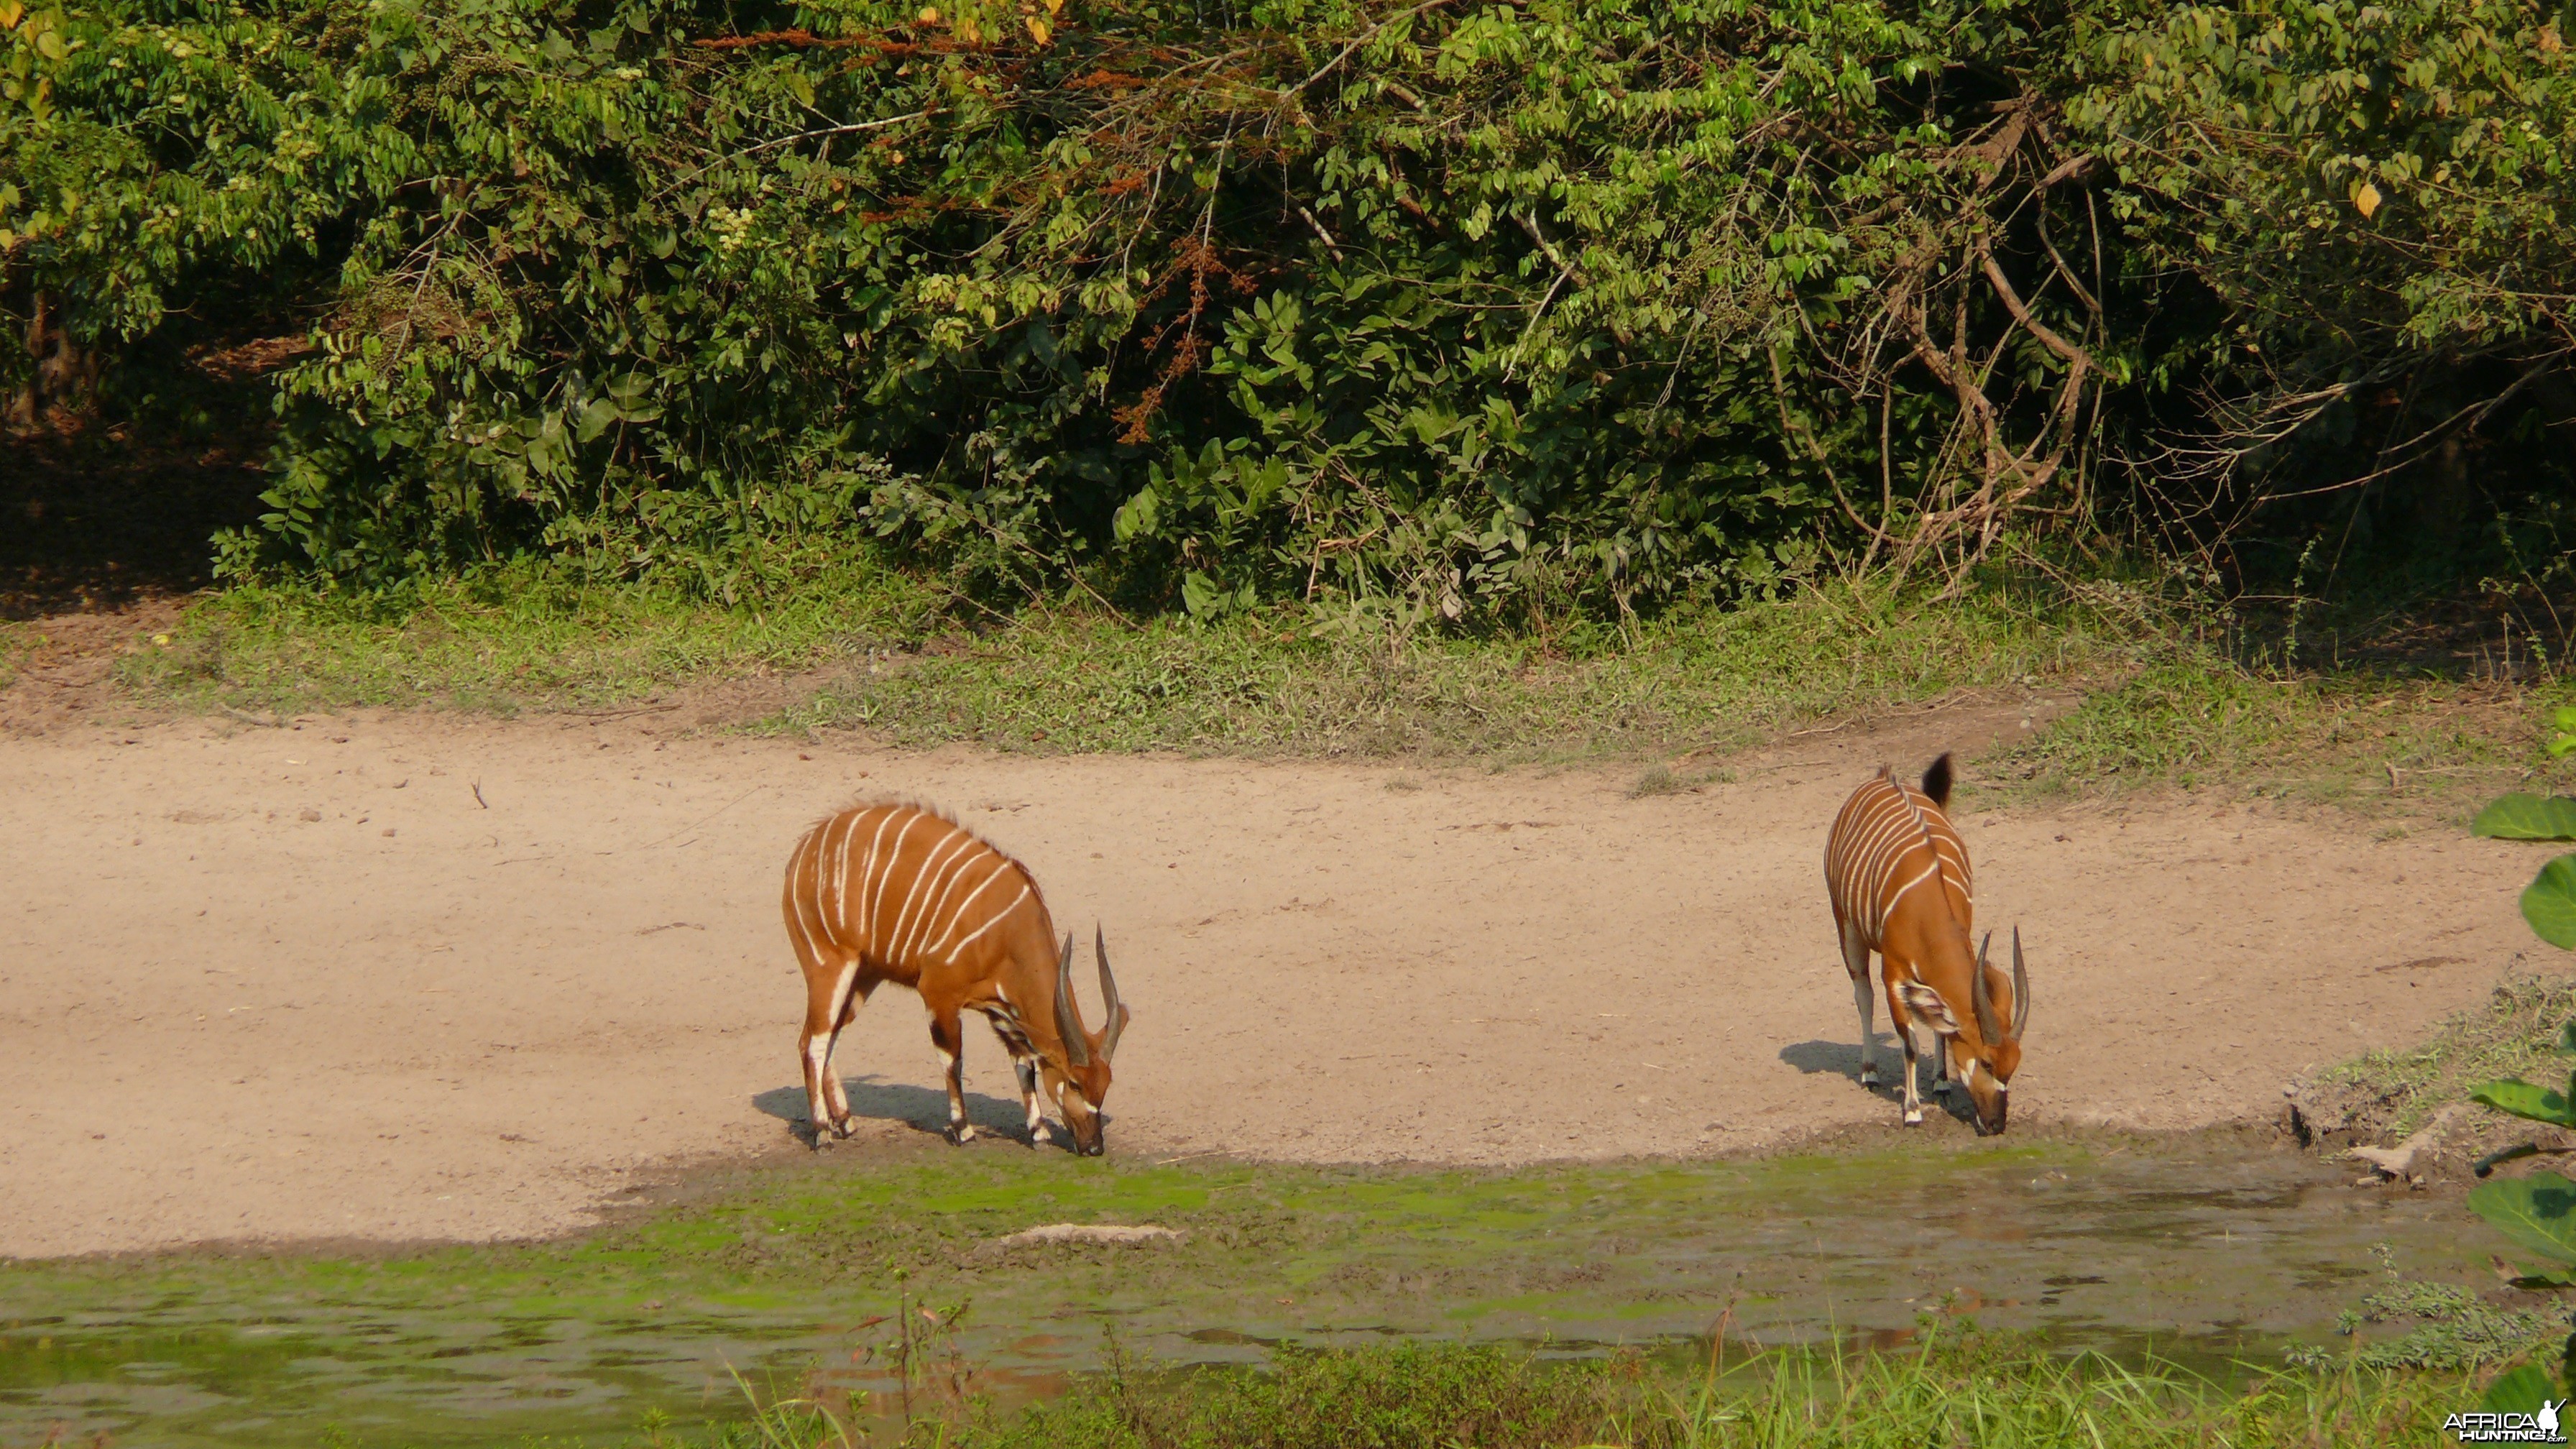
(1960, 1387)
(17, 641)
(2191, 718)
(1284, 685)
(907, 662)
(859, 645)
(2446, 1327)
(513, 637)
(2513, 1033)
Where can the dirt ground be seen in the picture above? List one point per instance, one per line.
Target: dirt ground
(419, 976)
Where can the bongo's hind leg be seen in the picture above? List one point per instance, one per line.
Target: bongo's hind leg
(827, 992)
(1856, 961)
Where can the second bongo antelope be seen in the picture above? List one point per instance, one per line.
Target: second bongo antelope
(904, 894)
(1898, 876)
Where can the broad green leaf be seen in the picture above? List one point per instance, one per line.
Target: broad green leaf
(596, 417)
(2527, 817)
(2522, 1099)
(2549, 903)
(2522, 1391)
(1139, 515)
(2538, 1212)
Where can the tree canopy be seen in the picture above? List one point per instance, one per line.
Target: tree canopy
(1443, 309)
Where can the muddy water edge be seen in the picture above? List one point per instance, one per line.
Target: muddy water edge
(2216, 1249)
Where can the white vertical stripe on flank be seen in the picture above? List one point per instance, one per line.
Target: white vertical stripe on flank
(932, 887)
(841, 874)
(1887, 839)
(868, 872)
(827, 882)
(991, 921)
(896, 942)
(939, 908)
(876, 898)
(1002, 867)
(796, 893)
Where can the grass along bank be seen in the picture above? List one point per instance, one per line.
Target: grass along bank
(889, 654)
(810, 1277)
(1959, 1387)
(2189, 717)
(2387, 1094)
(2165, 700)
(17, 641)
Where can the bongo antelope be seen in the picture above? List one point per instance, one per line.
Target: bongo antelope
(905, 894)
(1898, 876)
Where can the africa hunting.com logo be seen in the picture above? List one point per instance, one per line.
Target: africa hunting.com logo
(2491, 1428)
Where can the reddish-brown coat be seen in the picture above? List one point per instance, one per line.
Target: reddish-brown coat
(1898, 876)
(900, 893)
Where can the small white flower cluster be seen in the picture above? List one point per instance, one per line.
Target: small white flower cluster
(732, 228)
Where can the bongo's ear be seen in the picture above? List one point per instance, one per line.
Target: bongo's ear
(1928, 1007)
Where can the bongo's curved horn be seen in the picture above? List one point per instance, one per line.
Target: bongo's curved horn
(1983, 999)
(1113, 1010)
(2021, 988)
(1068, 1022)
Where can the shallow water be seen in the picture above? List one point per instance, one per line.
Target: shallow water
(2204, 1251)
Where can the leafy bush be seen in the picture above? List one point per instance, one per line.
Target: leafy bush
(2377, 193)
(1436, 311)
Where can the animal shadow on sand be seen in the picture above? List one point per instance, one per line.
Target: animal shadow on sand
(923, 1109)
(1843, 1060)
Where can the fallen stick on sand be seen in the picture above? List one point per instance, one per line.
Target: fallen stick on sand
(1087, 1233)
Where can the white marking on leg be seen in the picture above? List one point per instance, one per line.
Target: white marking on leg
(835, 1099)
(956, 1094)
(818, 1110)
(1862, 999)
(1913, 1096)
(1027, 1068)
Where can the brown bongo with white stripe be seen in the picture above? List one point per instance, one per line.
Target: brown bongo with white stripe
(903, 893)
(1897, 873)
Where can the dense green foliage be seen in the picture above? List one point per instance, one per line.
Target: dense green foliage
(1439, 310)
(2375, 201)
